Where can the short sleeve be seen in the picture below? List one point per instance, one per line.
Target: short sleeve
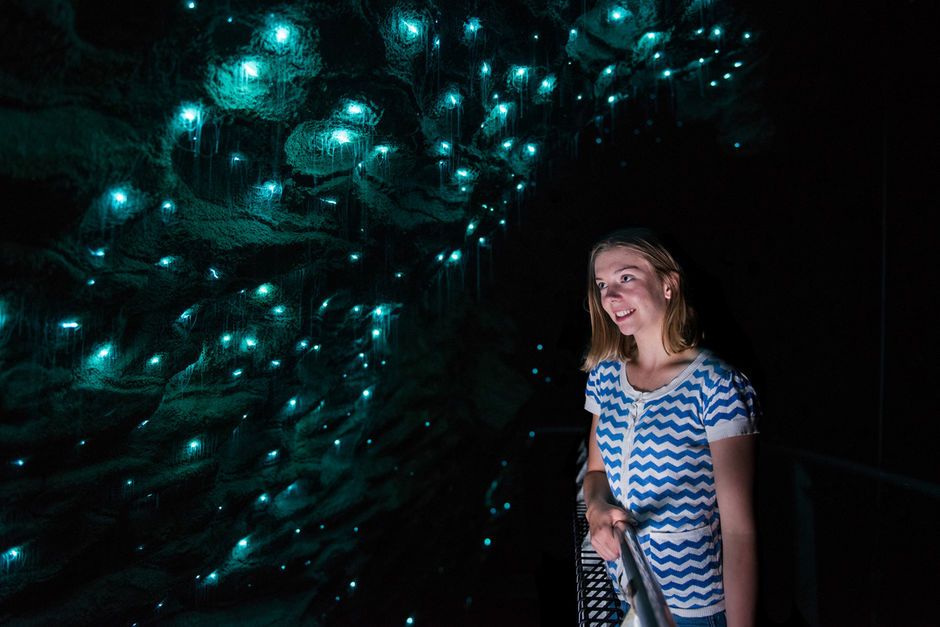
(592, 394)
(732, 409)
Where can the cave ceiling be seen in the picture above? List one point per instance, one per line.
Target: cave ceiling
(225, 222)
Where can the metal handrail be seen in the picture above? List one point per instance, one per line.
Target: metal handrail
(647, 604)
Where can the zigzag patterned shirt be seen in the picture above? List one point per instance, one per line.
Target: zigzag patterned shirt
(659, 466)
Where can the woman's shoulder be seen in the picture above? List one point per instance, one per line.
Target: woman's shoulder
(716, 367)
(606, 369)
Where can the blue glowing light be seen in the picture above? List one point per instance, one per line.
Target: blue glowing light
(341, 136)
(281, 34)
(717, 32)
(376, 332)
(520, 187)
(747, 35)
(657, 55)
(609, 70)
(445, 147)
(251, 69)
(667, 73)
(506, 505)
(264, 289)
(507, 144)
(237, 373)
(275, 363)
(194, 445)
(616, 14)
(485, 69)
(410, 30)
(530, 149)
(277, 310)
(154, 360)
(263, 498)
(611, 99)
(471, 227)
(727, 76)
(336, 442)
(503, 109)
(713, 84)
(273, 454)
(546, 87)
(118, 197)
(471, 26)
(90, 282)
(737, 144)
(738, 64)
(354, 257)
(165, 261)
(352, 584)
(104, 351)
(539, 347)
(190, 5)
(452, 99)
(191, 117)
(225, 339)
(487, 542)
(243, 543)
(366, 393)
(70, 324)
(455, 256)
(410, 621)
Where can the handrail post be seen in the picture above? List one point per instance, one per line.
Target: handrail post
(645, 595)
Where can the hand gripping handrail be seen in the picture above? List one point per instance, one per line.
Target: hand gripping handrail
(647, 604)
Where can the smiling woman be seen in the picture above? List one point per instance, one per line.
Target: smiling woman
(671, 440)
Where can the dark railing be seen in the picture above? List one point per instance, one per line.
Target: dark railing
(597, 602)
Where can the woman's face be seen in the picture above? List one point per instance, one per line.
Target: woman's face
(630, 291)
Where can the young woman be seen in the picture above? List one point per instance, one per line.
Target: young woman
(672, 439)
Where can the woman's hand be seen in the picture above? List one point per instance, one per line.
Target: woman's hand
(607, 522)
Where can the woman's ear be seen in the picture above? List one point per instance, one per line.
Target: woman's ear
(671, 284)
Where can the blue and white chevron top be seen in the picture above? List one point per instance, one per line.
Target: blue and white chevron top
(659, 465)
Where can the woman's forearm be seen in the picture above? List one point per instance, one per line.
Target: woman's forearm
(596, 488)
(739, 557)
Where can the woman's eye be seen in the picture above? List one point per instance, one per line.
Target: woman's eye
(601, 286)
(626, 278)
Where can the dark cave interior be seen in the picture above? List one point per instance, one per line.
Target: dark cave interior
(292, 296)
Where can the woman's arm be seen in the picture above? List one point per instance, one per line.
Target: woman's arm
(602, 515)
(733, 461)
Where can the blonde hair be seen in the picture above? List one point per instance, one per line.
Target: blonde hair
(680, 327)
